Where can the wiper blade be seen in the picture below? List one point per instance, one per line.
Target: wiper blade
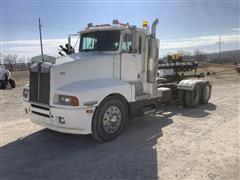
(86, 50)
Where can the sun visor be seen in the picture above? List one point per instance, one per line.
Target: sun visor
(45, 67)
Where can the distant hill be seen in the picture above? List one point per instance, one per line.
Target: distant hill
(226, 57)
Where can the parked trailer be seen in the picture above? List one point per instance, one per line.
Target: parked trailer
(114, 76)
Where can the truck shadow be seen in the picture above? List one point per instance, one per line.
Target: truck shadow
(200, 112)
(50, 155)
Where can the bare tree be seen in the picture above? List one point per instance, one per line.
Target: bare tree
(10, 60)
(199, 55)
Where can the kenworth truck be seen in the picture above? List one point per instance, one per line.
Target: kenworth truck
(115, 76)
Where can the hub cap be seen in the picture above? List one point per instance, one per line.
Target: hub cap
(112, 119)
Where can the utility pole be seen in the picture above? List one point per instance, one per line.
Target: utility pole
(40, 34)
(219, 47)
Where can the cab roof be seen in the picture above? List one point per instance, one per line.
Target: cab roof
(106, 27)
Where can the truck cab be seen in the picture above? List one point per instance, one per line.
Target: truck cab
(112, 78)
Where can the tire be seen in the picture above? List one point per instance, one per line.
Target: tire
(2, 84)
(206, 90)
(109, 119)
(12, 83)
(180, 97)
(192, 98)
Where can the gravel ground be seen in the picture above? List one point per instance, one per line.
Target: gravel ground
(174, 143)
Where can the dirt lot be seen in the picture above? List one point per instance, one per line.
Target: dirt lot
(175, 143)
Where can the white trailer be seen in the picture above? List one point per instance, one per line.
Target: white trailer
(112, 78)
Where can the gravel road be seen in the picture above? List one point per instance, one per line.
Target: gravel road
(174, 143)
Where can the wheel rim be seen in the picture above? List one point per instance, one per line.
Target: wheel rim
(112, 119)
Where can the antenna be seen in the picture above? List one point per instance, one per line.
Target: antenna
(40, 34)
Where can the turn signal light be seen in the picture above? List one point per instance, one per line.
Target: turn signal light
(74, 101)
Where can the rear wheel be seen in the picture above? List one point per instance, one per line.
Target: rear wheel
(205, 92)
(109, 119)
(192, 98)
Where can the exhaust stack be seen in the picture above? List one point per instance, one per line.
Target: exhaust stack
(152, 54)
(154, 27)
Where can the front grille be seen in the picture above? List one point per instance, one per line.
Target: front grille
(41, 114)
(40, 107)
(40, 83)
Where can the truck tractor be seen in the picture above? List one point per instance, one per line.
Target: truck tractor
(114, 76)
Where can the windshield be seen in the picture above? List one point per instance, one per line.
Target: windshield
(100, 41)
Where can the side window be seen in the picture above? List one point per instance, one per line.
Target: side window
(127, 43)
(89, 43)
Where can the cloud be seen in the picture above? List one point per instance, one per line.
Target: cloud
(236, 29)
(30, 48)
(197, 41)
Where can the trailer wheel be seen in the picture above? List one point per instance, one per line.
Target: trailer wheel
(109, 119)
(192, 98)
(206, 92)
(180, 97)
(12, 83)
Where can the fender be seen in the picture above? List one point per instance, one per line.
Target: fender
(188, 84)
(92, 92)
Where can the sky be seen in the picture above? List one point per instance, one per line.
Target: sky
(183, 25)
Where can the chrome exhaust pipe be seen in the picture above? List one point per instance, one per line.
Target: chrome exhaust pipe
(152, 55)
(154, 27)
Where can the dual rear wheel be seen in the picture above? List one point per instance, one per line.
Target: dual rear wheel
(200, 94)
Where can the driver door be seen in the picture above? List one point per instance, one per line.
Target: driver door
(131, 57)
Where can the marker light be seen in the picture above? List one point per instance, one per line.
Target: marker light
(115, 21)
(74, 101)
(145, 24)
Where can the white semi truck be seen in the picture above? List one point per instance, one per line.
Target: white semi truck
(115, 76)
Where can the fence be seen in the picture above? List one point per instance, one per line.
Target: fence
(17, 66)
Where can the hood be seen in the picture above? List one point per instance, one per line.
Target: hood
(82, 67)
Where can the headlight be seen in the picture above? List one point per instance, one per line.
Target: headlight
(68, 100)
(25, 93)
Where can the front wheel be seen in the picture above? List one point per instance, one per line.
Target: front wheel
(109, 119)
